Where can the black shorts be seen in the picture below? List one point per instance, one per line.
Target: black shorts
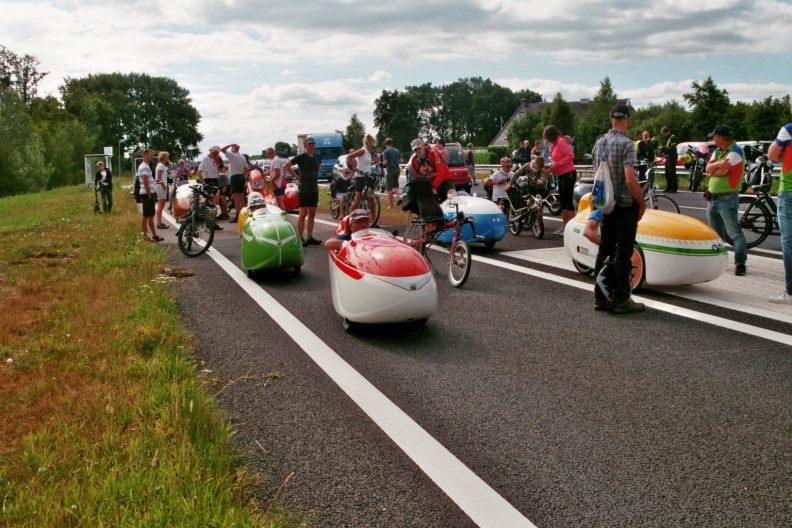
(362, 181)
(308, 199)
(238, 184)
(442, 190)
(149, 204)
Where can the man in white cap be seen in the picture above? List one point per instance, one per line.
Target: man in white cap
(207, 173)
(237, 168)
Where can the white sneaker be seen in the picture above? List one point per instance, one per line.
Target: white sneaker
(781, 298)
(559, 232)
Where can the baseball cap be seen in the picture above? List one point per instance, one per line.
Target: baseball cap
(722, 130)
(310, 140)
(358, 214)
(619, 111)
(214, 148)
(416, 143)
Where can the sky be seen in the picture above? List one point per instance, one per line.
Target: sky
(264, 71)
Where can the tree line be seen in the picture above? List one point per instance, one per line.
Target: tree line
(474, 110)
(43, 140)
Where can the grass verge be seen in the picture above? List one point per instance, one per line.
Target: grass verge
(106, 421)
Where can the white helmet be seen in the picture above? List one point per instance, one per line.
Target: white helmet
(255, 200)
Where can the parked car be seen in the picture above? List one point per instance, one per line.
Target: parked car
(682, 149)
(456, 164)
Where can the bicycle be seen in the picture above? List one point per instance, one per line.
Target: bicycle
(653, 197)
(521, 210)
(372, 203)
(96, 208)
(424, 229)
(196, 233)
(758, 214)
(553, 201)
(697, 168)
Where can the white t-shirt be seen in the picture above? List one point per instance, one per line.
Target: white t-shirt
(276, 165)
(236, 162)
(498, 189)
(363, 163)
(163, 178)
(103, 174)
(144, 174)
(209, 168)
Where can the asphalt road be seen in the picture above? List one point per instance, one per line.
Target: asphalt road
(574, 417)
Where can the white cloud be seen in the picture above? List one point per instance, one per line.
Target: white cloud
(262, 73)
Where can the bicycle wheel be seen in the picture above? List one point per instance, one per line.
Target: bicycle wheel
(537, 226)
(96, 208)
(459, 264)
(553, 204)
(696, 179)
(195, 236)
(412, 233)
(585, 270)
(664, 203)
(755, 220)
(638, 272)
(335, 208)
(374, 208)
(515, 224)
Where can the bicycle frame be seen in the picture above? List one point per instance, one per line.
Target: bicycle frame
(432, 228)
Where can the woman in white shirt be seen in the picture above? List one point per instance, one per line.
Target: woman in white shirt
(161, 187)
(365, 159)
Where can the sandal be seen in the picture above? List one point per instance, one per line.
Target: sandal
(157, 239)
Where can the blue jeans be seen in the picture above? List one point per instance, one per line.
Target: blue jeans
(722, 214)
(107, 197)
(617, 238)
(785, 224)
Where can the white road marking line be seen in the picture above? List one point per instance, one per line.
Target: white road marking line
(474, 496)
(531, 256)
(657, 305)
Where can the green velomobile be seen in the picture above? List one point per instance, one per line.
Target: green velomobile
(269, 240)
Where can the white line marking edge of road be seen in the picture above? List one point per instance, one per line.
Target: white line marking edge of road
(474, 496)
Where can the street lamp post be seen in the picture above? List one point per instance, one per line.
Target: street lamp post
(120, 157)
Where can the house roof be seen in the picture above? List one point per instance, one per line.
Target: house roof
(579, 108)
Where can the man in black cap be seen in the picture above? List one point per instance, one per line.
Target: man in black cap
(725, 172)
(619, 227)
(668, 149)
(309, 163)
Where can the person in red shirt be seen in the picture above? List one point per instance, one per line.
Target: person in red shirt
(428, 163)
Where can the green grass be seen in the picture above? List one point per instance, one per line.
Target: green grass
(106, 421)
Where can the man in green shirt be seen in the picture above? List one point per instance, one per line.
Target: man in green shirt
(725, 172)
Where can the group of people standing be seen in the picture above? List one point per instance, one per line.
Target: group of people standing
(618, 228)
(647, 148)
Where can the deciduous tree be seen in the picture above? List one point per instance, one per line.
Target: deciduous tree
(149, 111)
(355, 130)
(23, 168)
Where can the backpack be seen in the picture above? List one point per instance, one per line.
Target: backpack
(602, 196)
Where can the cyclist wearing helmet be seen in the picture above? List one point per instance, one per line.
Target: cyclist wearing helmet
(255, 201)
